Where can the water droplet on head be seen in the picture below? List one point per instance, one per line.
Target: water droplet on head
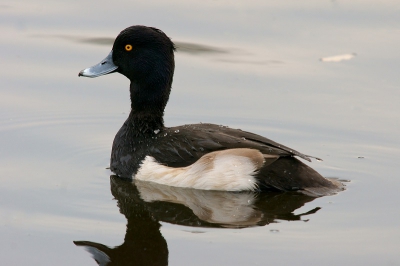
(176, 131)
(156, 131)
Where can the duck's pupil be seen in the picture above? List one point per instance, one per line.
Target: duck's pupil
(128, 47)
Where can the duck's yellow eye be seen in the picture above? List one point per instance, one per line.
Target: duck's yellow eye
(128, 47)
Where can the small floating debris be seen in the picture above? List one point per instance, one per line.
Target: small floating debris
(274, 231)
(338, 58)
(360, 157)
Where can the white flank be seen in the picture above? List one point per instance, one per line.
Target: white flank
(338, 58)
(229, 170)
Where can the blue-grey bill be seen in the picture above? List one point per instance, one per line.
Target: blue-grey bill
(106, 66)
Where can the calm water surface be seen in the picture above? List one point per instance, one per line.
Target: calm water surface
(276, 69)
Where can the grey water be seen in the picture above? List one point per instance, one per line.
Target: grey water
(318, 76)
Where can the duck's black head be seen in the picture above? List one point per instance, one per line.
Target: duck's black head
(145, 55)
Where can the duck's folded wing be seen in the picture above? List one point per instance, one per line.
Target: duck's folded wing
(262, 143)
(188, 143)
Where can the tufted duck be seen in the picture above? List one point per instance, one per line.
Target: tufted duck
(200, 156)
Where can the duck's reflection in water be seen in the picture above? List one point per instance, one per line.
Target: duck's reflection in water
(146, 204)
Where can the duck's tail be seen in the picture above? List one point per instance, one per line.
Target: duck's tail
(290, 174)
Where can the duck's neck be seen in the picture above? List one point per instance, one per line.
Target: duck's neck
(148, 104)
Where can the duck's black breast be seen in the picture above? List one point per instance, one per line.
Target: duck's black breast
(183, 145)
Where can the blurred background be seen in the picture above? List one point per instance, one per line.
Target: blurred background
(318, 76)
